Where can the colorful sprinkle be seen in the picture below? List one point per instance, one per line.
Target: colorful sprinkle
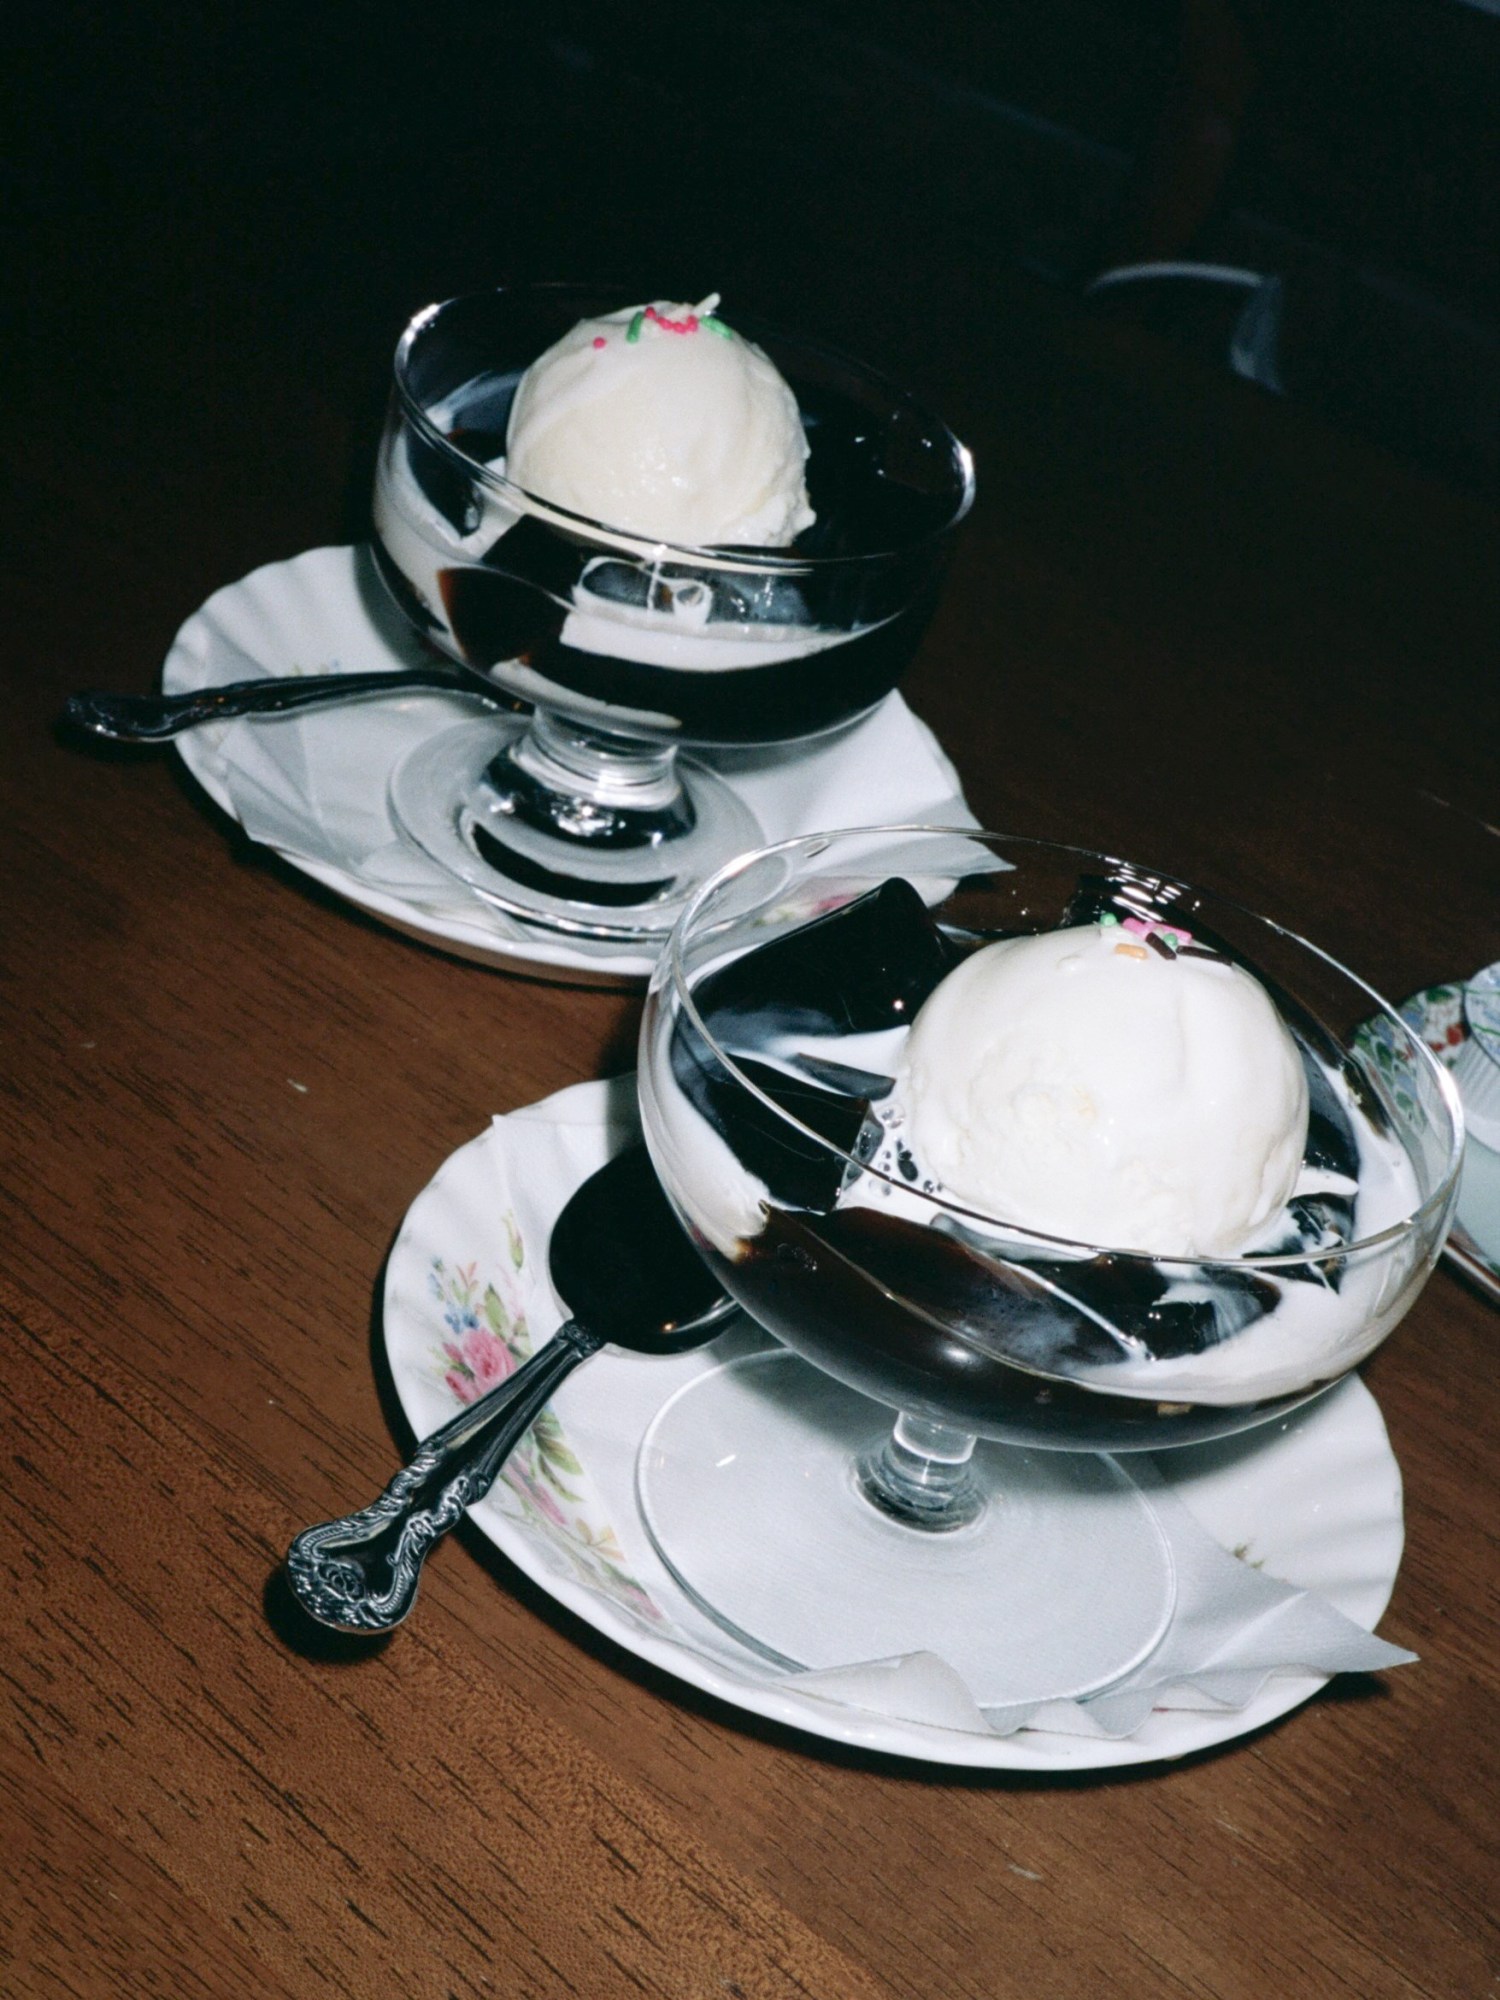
(600, 341)
(1107, 922)
(633, 331)
(1131, 951)
(715, 325)
(688, 325)
(1146, 927)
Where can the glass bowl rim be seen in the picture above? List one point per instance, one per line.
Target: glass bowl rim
(731, 557)
(670, 964)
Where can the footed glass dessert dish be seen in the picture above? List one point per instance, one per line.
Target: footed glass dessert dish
(846, 1037)
(618, 648)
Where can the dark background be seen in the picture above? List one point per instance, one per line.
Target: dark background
(931, 187)
(355, 161)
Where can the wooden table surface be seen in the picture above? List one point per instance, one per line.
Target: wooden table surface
(1187, 624)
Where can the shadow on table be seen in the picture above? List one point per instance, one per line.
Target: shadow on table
(304, 1636)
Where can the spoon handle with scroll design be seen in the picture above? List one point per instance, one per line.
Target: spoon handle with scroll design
(360, 1573)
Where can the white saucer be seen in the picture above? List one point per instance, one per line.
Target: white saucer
(312, 786)
(1314, 1500)
(1473, 1246)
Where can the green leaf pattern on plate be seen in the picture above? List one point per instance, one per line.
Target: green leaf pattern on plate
(1436, 1014)
(485, 1339)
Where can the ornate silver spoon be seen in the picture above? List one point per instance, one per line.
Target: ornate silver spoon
(628, 1273)
(157, 718)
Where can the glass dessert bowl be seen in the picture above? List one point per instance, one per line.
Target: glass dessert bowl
(618, 648)
(1134, 1042)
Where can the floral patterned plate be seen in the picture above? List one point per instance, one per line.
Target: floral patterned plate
(1473, 1246)
(1314, 1500)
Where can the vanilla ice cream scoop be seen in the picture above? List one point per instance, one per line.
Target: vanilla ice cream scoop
(1113, 1084)
(662, 421)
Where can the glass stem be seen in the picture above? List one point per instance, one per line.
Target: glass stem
(923, 1476)
(591, 785)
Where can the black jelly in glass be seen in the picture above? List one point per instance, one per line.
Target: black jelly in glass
(1016, 1364)
(619, 652)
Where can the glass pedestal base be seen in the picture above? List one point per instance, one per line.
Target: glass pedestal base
(749, 1488)
(545, 825)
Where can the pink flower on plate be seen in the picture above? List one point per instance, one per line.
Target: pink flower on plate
(488, 1358)
(545, 1502)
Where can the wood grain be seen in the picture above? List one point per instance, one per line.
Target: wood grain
(1187, 623)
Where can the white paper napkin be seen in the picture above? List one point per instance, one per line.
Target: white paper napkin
(313, 786)
(1232, 1628)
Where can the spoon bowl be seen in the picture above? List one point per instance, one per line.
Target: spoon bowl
(631, 1278)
